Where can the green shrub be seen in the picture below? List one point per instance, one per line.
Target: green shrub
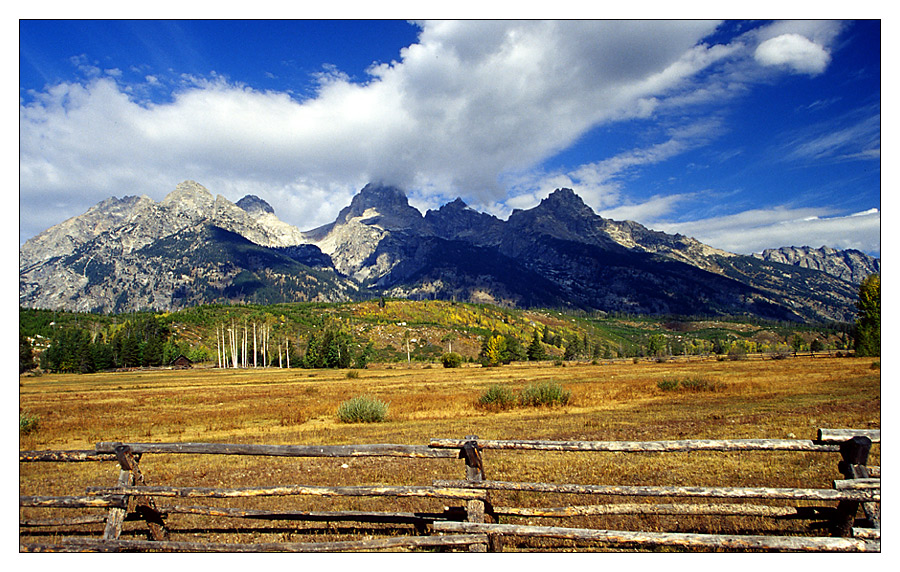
(496, 397)
(451, 359)
(668, 384)
(363, 409)
(546, 394)
(690, 384)
(27, 423)
(352, 374)
(701, 384)
(875, 365)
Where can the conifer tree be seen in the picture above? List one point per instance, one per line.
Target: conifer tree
(535, 348)
(868, 322)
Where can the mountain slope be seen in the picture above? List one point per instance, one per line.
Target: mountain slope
(850, 265)
(192, 247)
(189, 248)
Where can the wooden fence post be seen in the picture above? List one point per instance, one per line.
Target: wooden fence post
(116, 516)
(144, 506)
(474, 473)
(854, 455)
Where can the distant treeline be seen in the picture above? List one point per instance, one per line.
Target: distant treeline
(141, 341)
(320, 335)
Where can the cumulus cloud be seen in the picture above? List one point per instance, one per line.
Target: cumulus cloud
(794, 51)
(466, 103)
(758, 229)
(471, 109)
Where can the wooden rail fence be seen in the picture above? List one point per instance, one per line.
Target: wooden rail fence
(850, 509)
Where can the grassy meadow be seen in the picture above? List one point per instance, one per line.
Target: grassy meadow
(623, 401)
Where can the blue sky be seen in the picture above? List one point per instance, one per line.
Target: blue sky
(745, 135)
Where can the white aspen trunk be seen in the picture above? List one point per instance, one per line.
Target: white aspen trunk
(218, 351)
(244, 348)
(234, 350)
(287, 351)
(254, 344)
(279, 356)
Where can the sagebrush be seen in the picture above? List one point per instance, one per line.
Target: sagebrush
(363, 409)
(497, 397)
(546, 394)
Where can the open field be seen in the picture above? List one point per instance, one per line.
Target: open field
(769, 399)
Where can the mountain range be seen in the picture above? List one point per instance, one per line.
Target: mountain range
(193, 248)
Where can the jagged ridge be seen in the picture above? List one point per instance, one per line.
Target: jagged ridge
(133, 252)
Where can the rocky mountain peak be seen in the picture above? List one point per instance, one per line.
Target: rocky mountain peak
(457, 203)
(254, 205)
(381, 205)
(457, 221)
(563, 214)
(850, 265)
(189, 190)
(191, 199)
(564, 202)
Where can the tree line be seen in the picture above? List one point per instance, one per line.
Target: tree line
(142, 341)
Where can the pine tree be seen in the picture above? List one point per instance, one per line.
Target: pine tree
(536, 348)
(26, 354)
(868, 322)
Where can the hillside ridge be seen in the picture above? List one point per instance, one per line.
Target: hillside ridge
(559, 253)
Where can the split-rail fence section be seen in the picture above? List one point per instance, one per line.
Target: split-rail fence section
(849, 512)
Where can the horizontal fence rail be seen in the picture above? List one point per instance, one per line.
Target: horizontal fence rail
(290, 490)
(376, 450)
(731, 509)
(849, 511)
(841, 435)
(64, 456)
(680, 539)
(647, 446)
(96, 545)
(871, 494)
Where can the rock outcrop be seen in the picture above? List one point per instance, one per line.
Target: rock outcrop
(193, 247)
(850, 265)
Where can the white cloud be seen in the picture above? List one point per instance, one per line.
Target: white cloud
(794, 51)
(855, 135)
(471, 109)
(755, 230)
(466, 103)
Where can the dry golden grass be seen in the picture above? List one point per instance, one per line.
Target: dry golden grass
(771, 399)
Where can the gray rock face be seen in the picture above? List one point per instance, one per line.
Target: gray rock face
(254, 205)
(65, 237)
(850, 265)
(192, 247)
(105, 260)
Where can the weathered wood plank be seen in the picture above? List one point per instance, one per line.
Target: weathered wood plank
(144, 506)
(96, 545)
(664, 491)
(374, 450)
(868, 533)
(116, 516)
(678, 539)
(289, 490)
(65, 456)
(73, 501)
(75, 520)
(841, 435)
(809, 512)
(646, 446)
(857, 484)
(320, 516)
